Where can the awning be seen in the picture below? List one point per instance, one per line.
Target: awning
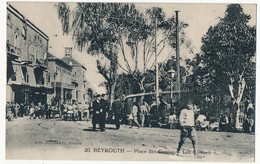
(31, 76)
(17, 73)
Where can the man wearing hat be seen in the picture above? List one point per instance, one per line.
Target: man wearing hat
(96, 112)
(187, 124)
(103, 112)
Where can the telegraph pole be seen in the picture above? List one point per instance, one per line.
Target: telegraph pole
(156, 65)
(178, 57)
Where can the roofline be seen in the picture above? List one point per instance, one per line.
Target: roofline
(22, 18)
(60, 60)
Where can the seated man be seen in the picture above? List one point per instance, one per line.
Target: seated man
(202, 122)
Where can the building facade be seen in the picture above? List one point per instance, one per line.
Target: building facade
(60, 77)
(26, 48)
(79, 93)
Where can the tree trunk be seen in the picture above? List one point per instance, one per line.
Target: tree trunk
(112, 95)
(241, 88)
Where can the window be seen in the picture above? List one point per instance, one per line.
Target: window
(77, 94)
(8, 20)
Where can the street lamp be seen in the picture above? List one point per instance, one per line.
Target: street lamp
(172, 73)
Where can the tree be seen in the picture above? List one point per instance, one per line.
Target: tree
(228, 53)
(119, 34)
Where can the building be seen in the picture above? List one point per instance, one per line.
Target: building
(60, 77)
(79, 94)
(26, 48)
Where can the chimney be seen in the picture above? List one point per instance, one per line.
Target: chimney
(68, 52)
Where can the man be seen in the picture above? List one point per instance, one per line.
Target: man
(116, 109)
(162, 110)
(96, 113)
(153, 113)
(16, 110)
(103, 112)
(134, 115)
(233, 107)
(250, 115)
(188, 130)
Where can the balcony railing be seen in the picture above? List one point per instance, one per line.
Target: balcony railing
(13, 51)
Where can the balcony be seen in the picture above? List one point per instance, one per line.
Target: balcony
(12, 51)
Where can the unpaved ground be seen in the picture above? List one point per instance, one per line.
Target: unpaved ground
(54, 139)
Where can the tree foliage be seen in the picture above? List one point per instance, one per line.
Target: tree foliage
(226, 62)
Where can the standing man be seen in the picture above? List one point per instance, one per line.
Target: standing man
(187, 124)
(250, 115)
(116, 109)
(103, 112)
(233, 107)
(134, 114)
(96, 113)
(16, 110)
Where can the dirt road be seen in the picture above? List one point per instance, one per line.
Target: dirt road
(55, 139)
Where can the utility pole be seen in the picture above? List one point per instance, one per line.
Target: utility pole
(178, 57)
(156, 65)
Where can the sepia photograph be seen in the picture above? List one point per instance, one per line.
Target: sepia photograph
(130, 81)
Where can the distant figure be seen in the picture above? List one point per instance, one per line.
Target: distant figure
(250, 116)
(32, 111)
(103, 111)
(162, 110)
(117, 110)
(202, 122)
(224, 122)
(16, 109)
(233, 107)
(153, 113)
(143, 112)
(188, 130)
(96, 113)
(134, 115)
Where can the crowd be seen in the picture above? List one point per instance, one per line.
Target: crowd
(132, 114)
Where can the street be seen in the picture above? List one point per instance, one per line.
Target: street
(56, 139)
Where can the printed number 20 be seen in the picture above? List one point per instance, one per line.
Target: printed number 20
(86, 149)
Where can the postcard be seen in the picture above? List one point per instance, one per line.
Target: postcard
(130, 81)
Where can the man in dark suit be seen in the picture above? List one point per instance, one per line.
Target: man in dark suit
(96, 112)
(103, 111)
(116, 109)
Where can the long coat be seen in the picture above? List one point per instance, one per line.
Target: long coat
(96, 111)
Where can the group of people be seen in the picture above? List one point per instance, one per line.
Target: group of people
(34, 110)
(75, 111)
(228, 117)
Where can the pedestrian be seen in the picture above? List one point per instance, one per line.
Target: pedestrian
(233, 107)
(65, 112)
(162, 110)
(143, 112)
(16, 109)
(80, 111)
(48, 111)
(32, 111)
(96, 118)
(187, 123)
(9, 113)
(21, 111)
(134, 114)
(103, 111)
(116, 109)
(224, 122)
(75, 111)
(86, 112)
(154, 113)
(70, 112)
(250, 115)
